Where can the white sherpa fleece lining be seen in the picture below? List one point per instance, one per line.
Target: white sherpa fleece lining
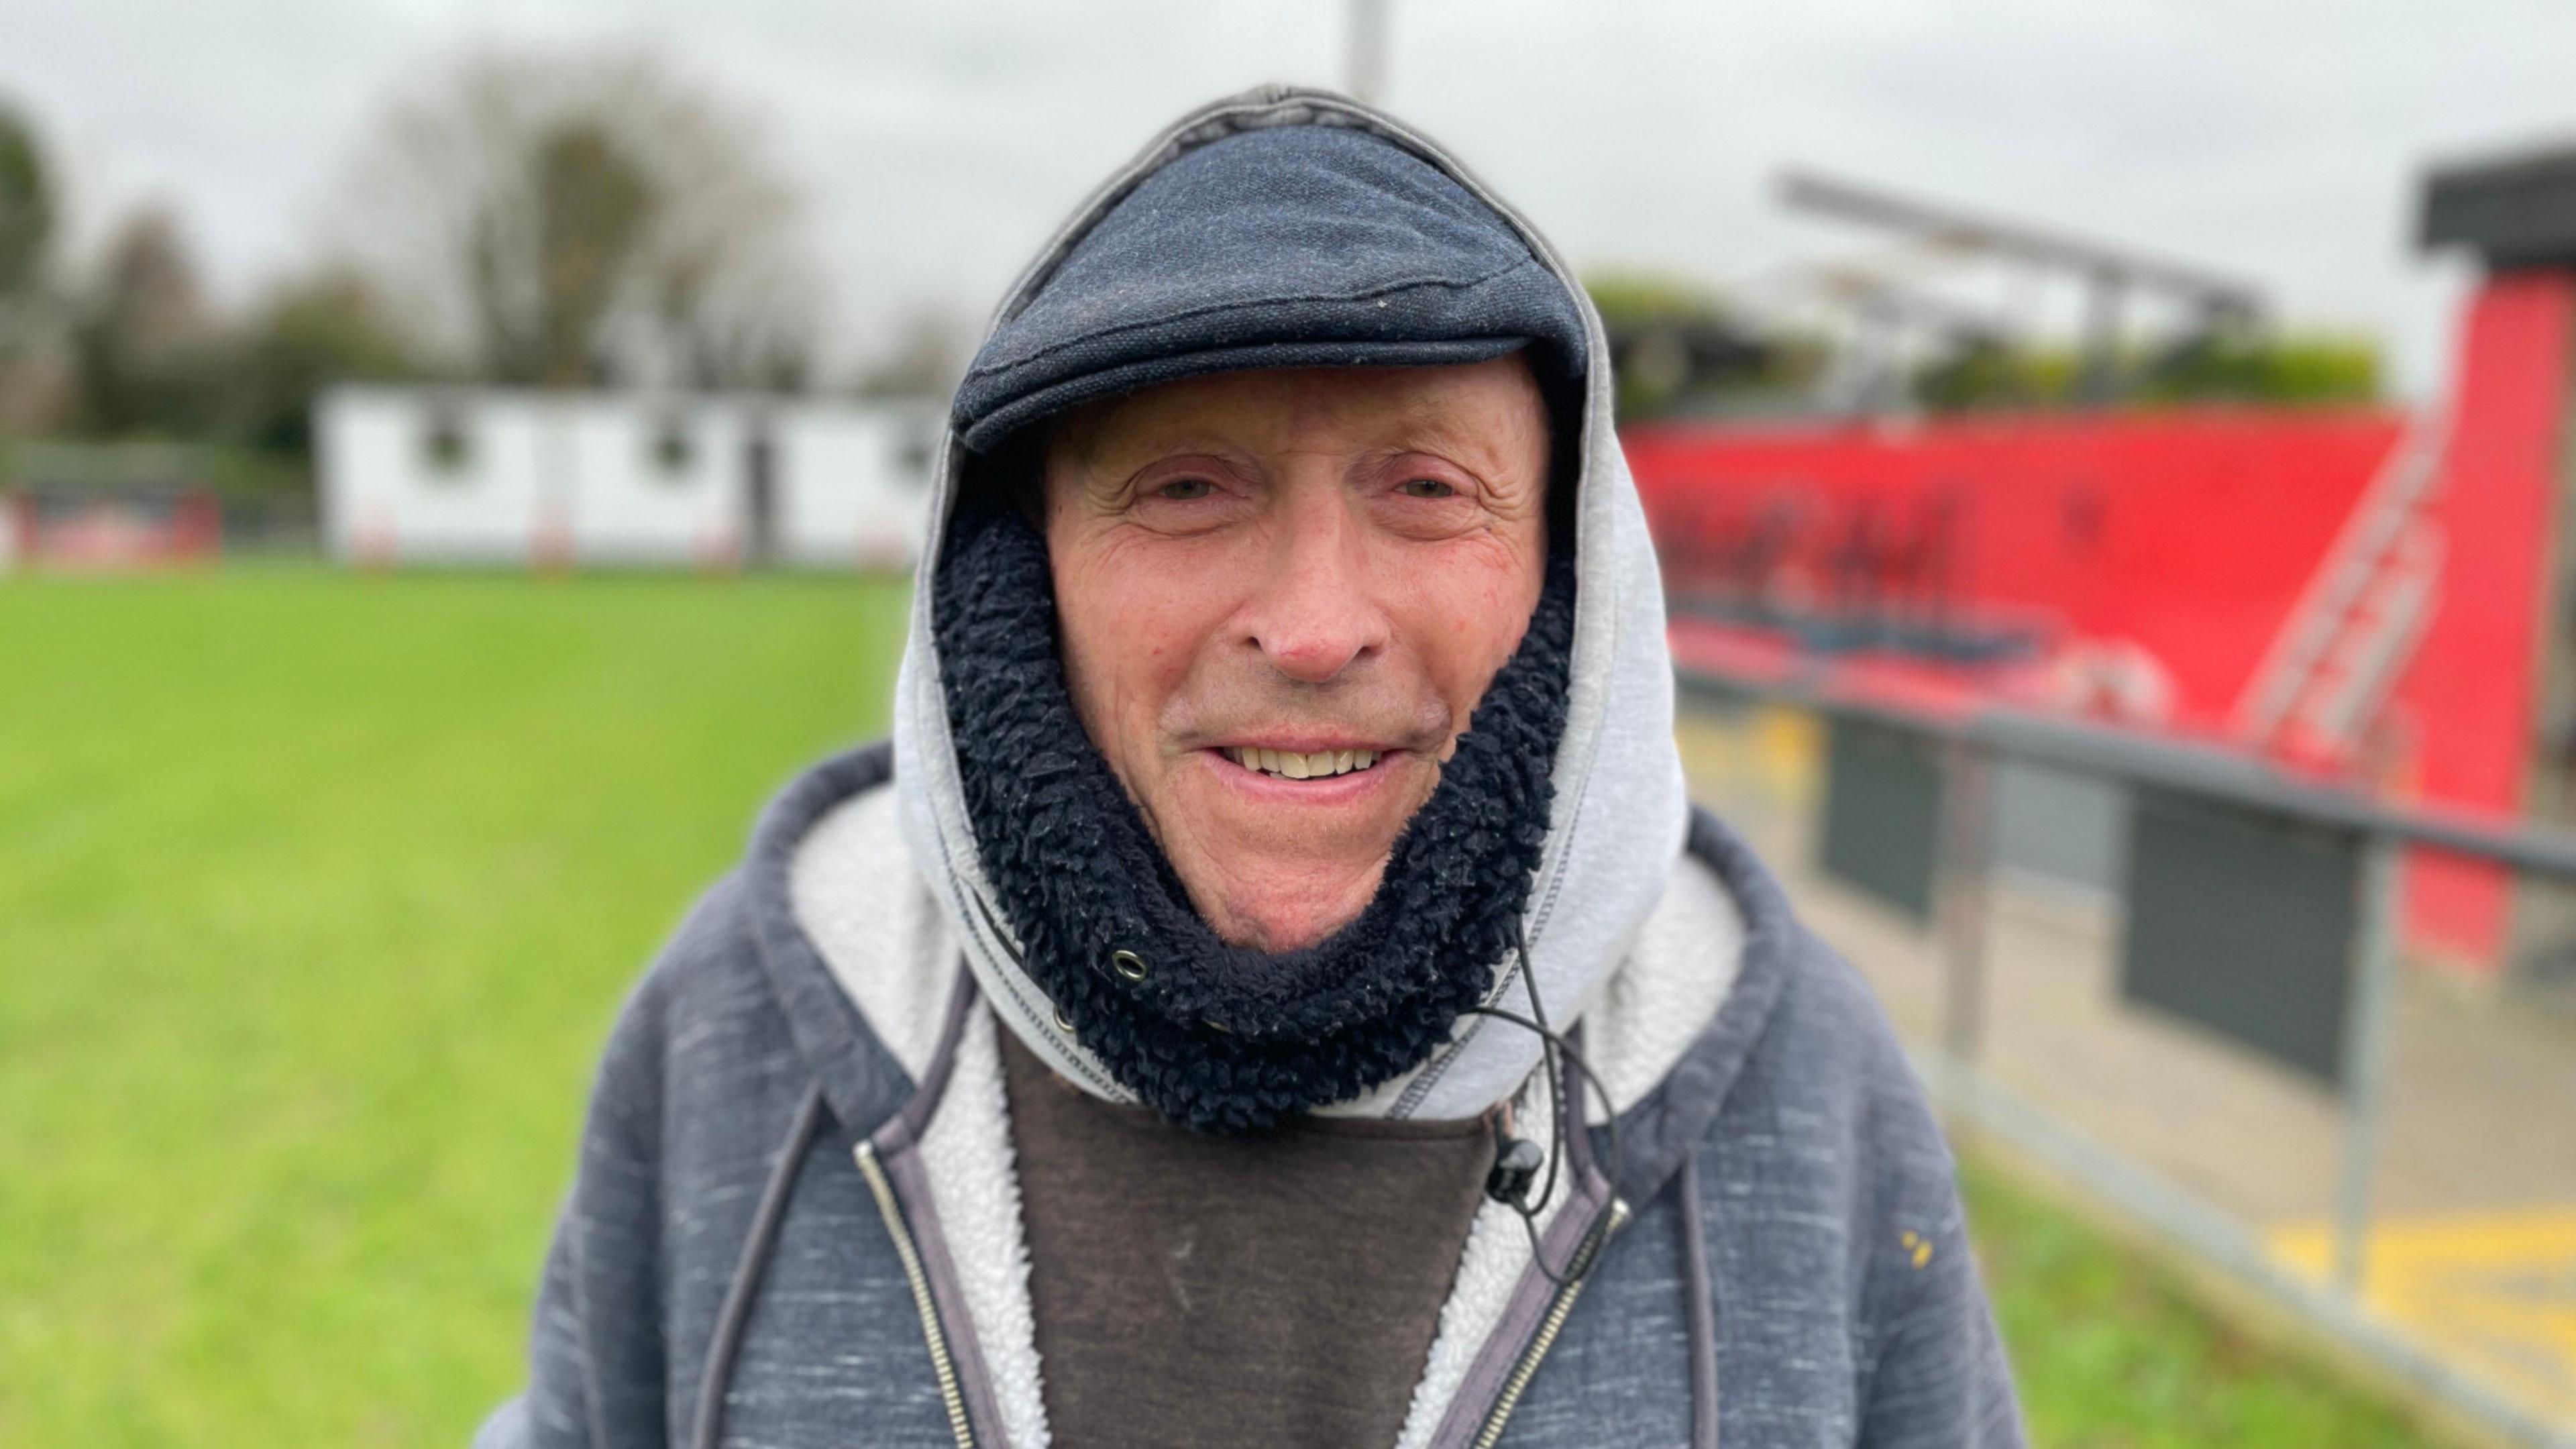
(857, 898)
(966, 1154)
(1650, 1010)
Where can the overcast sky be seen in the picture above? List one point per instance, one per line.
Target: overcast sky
(939, 140)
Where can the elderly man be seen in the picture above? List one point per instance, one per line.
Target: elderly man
(1273, 989)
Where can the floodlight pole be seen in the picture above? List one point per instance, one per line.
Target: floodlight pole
(1364, 51)
(2110, 274)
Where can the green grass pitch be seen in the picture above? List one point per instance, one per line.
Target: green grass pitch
(317, 896)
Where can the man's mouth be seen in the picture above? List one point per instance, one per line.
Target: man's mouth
(1295, 765)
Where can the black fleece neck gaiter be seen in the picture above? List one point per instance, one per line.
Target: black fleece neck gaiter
(1215, 1036)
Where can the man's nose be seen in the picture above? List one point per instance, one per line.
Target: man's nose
(1313, 616)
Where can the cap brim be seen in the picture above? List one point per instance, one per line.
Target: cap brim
(986, 433)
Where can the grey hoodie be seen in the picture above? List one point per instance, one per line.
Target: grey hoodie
(795, 1222)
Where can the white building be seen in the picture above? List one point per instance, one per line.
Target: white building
(485, 476)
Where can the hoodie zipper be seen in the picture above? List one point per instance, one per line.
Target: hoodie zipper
(950, 1393)
(1550, 1326)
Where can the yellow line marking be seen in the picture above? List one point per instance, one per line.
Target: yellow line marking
(2494, 1292)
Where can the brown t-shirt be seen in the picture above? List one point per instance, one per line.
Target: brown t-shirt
(1274, 1289)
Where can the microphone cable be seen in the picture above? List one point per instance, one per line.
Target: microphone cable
(1512, 1177)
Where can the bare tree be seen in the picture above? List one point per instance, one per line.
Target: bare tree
(147, 338)
(570, 218)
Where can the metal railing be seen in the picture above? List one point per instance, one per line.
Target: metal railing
(1968, 750)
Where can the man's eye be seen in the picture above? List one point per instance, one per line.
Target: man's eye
(1185, 489)
(1427, 488)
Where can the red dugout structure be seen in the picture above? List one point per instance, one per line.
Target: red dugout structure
(2357, 593)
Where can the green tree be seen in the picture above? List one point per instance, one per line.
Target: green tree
(2280, 368)
(329, 326)
(149, 349)
(1678, 348)
(2305, 368)
(36, 373)
(26, 208)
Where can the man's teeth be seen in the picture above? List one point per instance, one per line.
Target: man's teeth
(1289, 764)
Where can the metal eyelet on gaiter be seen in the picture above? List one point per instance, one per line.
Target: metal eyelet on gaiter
(1129, 964)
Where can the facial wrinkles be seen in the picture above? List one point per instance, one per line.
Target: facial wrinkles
(1322, 608)
(1237, 705)
(1310, 416)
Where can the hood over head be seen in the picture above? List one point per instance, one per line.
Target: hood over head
(1288, 228)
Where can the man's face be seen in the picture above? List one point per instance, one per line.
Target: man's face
(1282, 594)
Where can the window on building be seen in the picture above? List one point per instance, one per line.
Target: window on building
(447, 443)
(674, 448)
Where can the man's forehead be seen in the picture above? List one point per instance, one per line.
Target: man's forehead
(1492, 408)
